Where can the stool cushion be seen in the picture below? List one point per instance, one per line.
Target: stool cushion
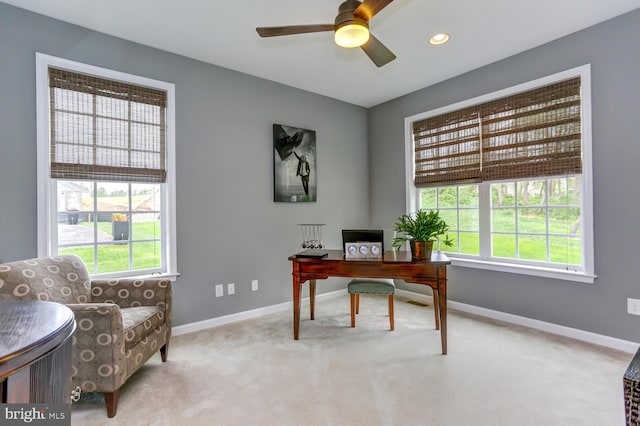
(371, 286)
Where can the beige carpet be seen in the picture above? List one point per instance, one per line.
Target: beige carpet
(254, 373)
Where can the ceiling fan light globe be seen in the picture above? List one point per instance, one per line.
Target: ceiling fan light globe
(351, 35)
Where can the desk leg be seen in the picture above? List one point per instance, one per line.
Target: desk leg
(312, 297)
(436, 307)
(442, 303)
(296, 306)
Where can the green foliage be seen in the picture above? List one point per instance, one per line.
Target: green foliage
(468, 196)
(447, 196)
(428, 198)
(115, 257)
(549, 228)
(422, 225)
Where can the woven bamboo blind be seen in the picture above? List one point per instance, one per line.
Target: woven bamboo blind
(531, 134)
(106, 130)
(447, 148)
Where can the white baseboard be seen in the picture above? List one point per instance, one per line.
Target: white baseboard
(254, 313)
(574, 333)
(585, 336)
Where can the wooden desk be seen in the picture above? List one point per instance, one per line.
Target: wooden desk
(397, 265)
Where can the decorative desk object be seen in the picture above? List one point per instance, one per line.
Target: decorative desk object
(311, 236)
(421, 228)
(363, 250)
(311, 245)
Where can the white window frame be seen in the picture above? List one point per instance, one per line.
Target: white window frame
(413, 194)
(46, 195)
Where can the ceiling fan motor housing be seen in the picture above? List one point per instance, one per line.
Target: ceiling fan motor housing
(346, 15)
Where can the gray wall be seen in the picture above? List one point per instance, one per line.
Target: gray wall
(229, 229)
(612, 49)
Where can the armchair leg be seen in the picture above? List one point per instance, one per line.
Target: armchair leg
(164, 351)
(111, 401)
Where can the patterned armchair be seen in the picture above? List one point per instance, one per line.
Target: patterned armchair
(121, 323)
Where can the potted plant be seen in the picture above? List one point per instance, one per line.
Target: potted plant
(120, 226)
(421, 229)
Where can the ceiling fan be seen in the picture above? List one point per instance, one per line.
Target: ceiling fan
(351, 29)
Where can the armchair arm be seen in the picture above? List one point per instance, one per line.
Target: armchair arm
(128, 292)
(98, 352)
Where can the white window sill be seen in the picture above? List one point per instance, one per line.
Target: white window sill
(538, 271)
(171, 276)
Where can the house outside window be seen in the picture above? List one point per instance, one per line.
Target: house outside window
(510, 172)
(106, 168)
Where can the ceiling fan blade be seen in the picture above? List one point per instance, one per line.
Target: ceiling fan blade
(369, 8)
(293, 29)
(377, 51)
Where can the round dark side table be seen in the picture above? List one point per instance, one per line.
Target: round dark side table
(35, 352)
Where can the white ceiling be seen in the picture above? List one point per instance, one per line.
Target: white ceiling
(222, 32)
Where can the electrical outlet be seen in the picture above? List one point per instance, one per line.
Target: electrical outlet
(254, 285)
(231, 288)
(219, 290)
(633, 306)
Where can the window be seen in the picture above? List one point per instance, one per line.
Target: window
(106, 168)
(510, 172)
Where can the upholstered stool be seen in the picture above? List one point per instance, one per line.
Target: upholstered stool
(357, 287)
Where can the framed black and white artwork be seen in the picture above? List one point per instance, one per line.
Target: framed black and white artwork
(294, 164)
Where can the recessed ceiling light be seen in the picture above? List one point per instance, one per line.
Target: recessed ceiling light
(439, 39)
